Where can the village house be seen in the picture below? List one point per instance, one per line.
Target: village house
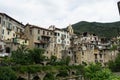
(87, 48)
(11, 33)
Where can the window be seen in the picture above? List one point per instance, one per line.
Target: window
(0, 20)
(25, 41)
(16, 36)
(31, 32)
(101, 60)
(96, 61)
(67, 36)
(58, 34)
(100, 55)
(55, 45)
(82, 53)
(20, 30)
(64, 42)
(13, 27)
(9, 26)
(3, 31)
(3, 23)
(51, 33)
(13, 34)
(64, 36)
(8, 32)
(58, 40)
(2, 37)
(38, 38)
(69, 52)
(38, 31)
(43, 32)
(47, 33)
(17, 29)
(55, 34)
(95, 56)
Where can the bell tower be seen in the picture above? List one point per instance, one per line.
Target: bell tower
(70, 29)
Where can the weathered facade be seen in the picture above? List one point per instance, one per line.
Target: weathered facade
(61, 41)
(40, 38)
(11, 33)
(55, 41)
(89, 48)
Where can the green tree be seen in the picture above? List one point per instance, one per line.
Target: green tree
(115, 65)
(36, 55)
(90, 71)
(96, 72)
(63, 73)
(49, 76)
(21, 55)
(7, 74)
(6, 61)
(53, 60)
(114, 47)
(67, 60)
(64, 61)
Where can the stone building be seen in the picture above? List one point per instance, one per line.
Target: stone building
(61, 41)
(55, 41)
(40, 38)
(88, 48)
(11, 32)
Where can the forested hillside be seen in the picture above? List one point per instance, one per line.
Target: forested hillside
(101, 29)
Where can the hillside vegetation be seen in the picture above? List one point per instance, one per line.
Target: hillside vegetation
(101, 29)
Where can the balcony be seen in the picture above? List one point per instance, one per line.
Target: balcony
(19, 32)
(9, 28)
(45, 36)
(44, 41)
(15, 40)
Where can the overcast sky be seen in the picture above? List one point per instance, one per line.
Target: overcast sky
(60, 13)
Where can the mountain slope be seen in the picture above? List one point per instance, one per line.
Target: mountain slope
(101, 29)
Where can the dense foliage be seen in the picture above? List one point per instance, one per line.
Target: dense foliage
(115, 65)
(96, 72)
(7, 73)
(20, 56)
(101, 29)
(25, 56)
(28, 61)
(36, 55)
(49, 76)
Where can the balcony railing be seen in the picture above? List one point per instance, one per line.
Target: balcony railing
(44, 41)
(9, 28)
